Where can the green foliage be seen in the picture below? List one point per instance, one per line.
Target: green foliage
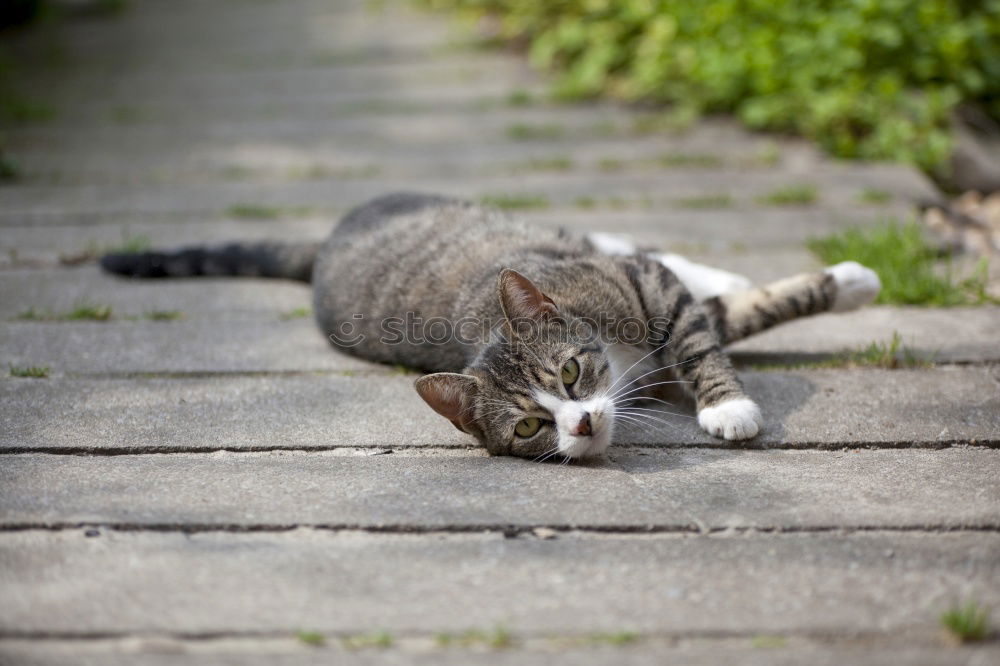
(967, 623)
(865, 78)
(34, 371)
(497, 638)
(872, 195)
(906, 264)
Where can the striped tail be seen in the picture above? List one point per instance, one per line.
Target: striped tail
(293, 261)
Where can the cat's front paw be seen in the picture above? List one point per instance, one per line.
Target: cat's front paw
(733, 419)
(857, 285)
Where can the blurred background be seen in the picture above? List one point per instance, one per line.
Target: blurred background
(708, 128)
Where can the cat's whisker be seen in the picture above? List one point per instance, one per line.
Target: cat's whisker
(653, 418)
(666, 367)
(655, 411)
(646, 428)
(646, 386)
(547, 454)
(625, 374)
(622, 401)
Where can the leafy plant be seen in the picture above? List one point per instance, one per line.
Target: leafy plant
(864, 78)
(906, 264)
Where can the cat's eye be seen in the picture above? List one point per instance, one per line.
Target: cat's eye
(570, 372)
(528, 427)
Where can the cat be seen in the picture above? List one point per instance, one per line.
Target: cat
(538, 341)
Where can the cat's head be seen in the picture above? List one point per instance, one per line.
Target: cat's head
(540, 390)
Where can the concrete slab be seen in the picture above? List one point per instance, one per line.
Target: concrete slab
(826, 409)
(168, 651)
(61, 290)
(171, 582)
(941, 335)
(561, 189)
(216, 344)
(629, 490)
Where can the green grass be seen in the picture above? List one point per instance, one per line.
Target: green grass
(891, 355)
(520, 98)
(967, 623)
(378, 639)
(793, 195)
(497, 638)
(585, 202)
(907, 265)
(246, 211)
(766, 641)
(82, 312)
(872, 195)
(555, 163)
(516, 201)
(87, 312)
(164, 315)
(700, 160)
(297, 313)
(526, 132)
(721, 200)
(313, 638)
(35, 371)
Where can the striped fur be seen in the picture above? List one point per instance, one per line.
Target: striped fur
(415, 259)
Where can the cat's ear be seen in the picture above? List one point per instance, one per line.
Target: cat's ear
(521, 299)
(452, 396)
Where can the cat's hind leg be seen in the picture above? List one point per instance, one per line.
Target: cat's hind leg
(839, 288)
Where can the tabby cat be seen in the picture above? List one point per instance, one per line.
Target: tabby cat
(539, 340)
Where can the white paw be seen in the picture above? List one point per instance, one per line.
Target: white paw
(733, 419)
(611, 244)
(856, 285)
(703, 281)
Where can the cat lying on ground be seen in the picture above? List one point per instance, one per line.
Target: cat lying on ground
(539, 340)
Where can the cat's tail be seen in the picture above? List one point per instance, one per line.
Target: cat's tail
(293, 261)
(845, 286)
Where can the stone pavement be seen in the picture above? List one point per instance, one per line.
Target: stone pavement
(204, 485)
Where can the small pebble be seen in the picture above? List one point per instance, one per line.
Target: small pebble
(544, 532)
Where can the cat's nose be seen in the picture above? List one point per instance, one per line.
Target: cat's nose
(582, 428)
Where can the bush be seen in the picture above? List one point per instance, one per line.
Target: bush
(865, 78)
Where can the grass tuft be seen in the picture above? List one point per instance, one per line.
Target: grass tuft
(313, 638)
(297, 313)
(705, 161)
(87, 312)
(498, 638)
(34, 371)
(164, 315)
(765, 641)
(967, 623)
(520, 98)
(247, 211)
(610, 164)
(616, 638)
(906, 264)
(516, 201)
(378, 639)
(872, 195)
(526, 132)
(793, 195)
(892, 355)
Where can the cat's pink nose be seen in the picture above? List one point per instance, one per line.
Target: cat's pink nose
(582, 428)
